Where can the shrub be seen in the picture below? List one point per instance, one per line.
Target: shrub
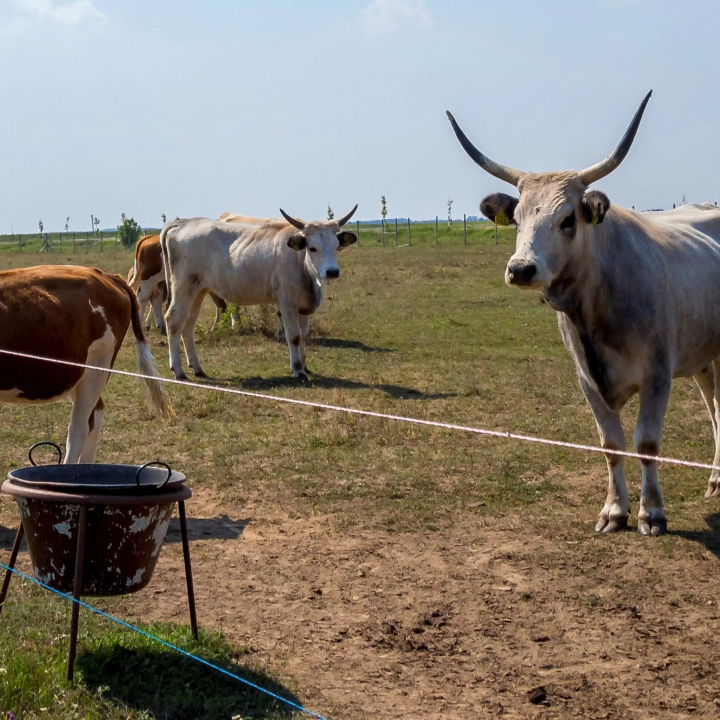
(129, 231)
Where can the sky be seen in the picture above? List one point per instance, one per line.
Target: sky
(191, 109)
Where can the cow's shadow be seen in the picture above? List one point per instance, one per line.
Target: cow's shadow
(347, 345)
(257, 383)
(710, 537)
(217, 528)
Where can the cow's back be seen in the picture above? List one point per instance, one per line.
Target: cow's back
(57, 312)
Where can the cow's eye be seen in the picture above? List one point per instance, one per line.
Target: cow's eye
(312, 249)
(568, 223)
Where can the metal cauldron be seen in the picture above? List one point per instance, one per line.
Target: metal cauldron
(96, 529)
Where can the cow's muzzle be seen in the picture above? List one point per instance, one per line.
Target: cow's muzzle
(520, 273)
(332, 273)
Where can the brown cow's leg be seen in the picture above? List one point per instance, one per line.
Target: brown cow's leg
(654, 396)
(95, 423)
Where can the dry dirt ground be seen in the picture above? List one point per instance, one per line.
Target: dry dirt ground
(488, 618)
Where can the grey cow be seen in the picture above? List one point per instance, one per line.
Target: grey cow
(637, 297)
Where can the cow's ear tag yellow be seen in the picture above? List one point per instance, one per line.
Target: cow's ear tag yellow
(595, 218)
(501, 219)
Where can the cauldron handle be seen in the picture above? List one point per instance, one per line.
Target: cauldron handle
(154, 462)
(39, 444)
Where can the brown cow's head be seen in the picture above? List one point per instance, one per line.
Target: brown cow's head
(553, 212)
(321, 241)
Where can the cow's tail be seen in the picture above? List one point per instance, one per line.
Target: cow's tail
(133, 275)
(146, 364)
(166, 256)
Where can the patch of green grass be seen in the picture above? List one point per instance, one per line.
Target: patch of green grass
(120, 674)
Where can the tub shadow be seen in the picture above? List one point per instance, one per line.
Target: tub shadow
(347, 345)
(218, 528)
(709, 538)
(7, 537)
(164, 684)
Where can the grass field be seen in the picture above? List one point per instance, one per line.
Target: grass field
(376, 569)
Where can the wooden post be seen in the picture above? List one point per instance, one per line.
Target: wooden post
(87, 242)
(436, 229)
(409, 233)
(73, 242)
(61, 241)
(464, 229)
(383, 232)
(357, 227)
(101, 247)
(396, 237)
(19, 242)
(496, 234)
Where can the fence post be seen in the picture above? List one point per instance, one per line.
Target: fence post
(464, 229)
(60, 241)
(87, 242)
(383, 232)
(101, 247)
(73, 242)
(357, 227)
(20, 242)
(436, 229)
(409, 233)
(496, 234)
(396, 237)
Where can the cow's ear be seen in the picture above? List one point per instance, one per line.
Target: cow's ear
(595, 205)
(297, 242)
(499, 208)
(346, 239)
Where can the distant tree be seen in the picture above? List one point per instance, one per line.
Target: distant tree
(449, 204)
(164, 219)
(67, 225)
(331, 214)
(128, 231)
(40, 225)
(95, 223)
(383, 212)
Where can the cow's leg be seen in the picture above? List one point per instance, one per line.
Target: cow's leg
(304, 332)
(713, 489)
(654, 396)
(82, 439)
(95, 425)
(157, 310)
(145, 297)
(220, 308)
(280, 326)
(614, 515)
(188, 335)
(175, 319)
(291, 320)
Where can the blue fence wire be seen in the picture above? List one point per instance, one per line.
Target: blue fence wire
(197, 659)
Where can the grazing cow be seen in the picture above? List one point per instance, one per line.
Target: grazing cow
(75, 314)
(637, 297)
(147, 278)
(279, 262)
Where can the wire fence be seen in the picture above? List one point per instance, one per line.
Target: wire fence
(63, 242)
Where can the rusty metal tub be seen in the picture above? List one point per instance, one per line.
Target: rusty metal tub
(126, 522)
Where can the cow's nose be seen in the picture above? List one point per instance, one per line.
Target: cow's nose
(521, 273)
(332, 273)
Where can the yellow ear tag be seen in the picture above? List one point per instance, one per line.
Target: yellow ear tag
(501, 219)
(594, 220)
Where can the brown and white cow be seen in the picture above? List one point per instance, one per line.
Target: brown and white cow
(280, 262)
(637, 297)
(147, 278)
(75, 314)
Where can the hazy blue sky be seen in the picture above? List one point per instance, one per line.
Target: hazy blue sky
(190, 108)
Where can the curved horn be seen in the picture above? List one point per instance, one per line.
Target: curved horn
(299, 224)
(606, 166)
(507, 174)
(345, 218)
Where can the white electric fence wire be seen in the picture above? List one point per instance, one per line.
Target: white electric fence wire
(382, 416)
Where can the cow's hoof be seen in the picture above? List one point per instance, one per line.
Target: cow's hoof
(163, 331)
(199, 373)
(181, 376)
(308, 370)
(611, 524)
(713, 489)
(654, 527)
(302, 377)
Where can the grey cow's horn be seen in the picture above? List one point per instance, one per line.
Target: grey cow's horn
(606, 166)
(507, 174)
(299, 224)
(345, 218)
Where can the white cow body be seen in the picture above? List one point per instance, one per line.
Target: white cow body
(248, 264)
(638, 303)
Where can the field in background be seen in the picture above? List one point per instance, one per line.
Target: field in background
(384, 570)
